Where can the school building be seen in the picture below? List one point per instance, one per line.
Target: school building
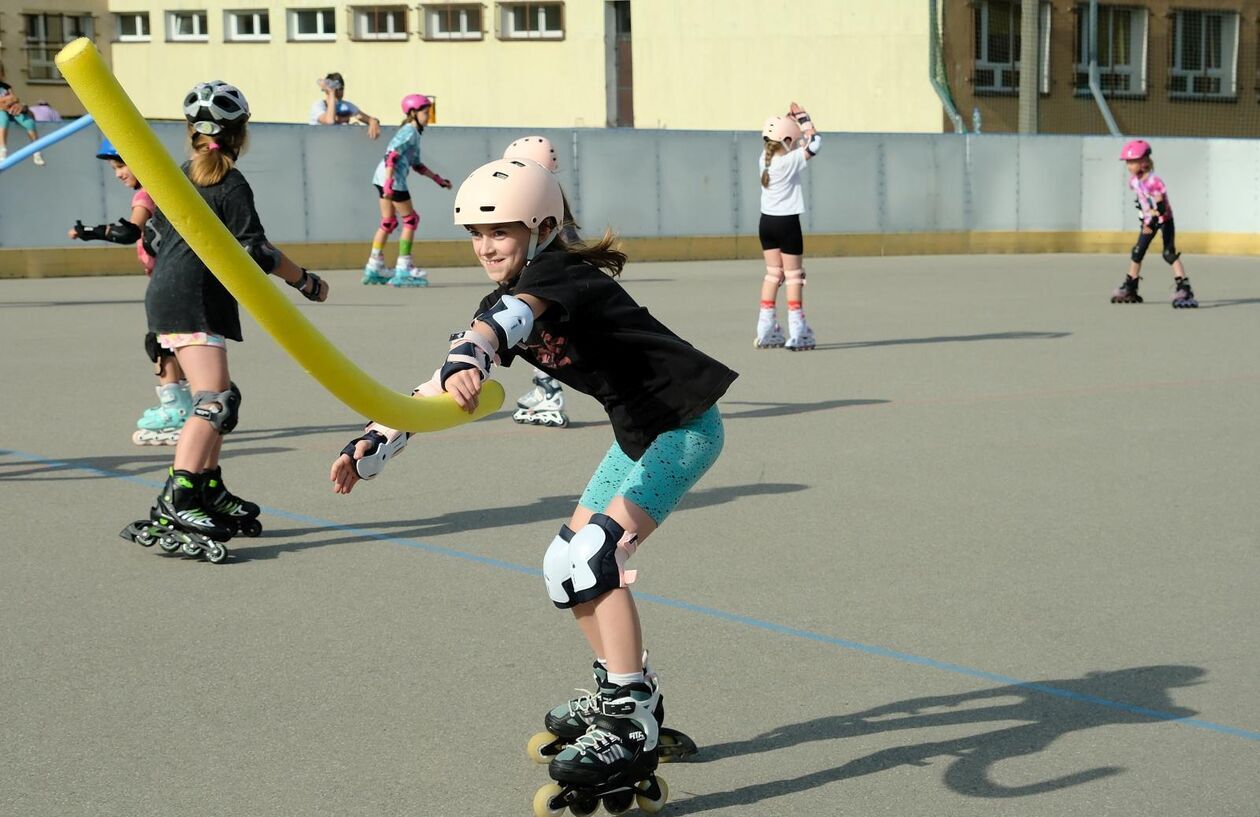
(859, 65)
(1165, 67)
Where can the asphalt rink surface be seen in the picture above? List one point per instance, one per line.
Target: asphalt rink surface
(990, 549)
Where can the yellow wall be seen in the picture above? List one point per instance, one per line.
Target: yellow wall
(698, 64)
(487, 82)
(858, 65)
(13, 38)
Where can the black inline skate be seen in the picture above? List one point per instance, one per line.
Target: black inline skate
(569, 721)
(1183, 296)
(613, 763)
(240, 513)
(179, 521)
(1127, 292)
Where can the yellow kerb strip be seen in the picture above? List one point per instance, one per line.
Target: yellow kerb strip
(81, 64)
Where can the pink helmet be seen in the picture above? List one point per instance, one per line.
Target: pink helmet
(1137, 149)
(782, 129)
(415, 102)
(535, 148)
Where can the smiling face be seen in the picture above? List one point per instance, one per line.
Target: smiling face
(123, 173)
(500, 248)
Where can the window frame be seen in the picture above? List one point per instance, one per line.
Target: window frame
(505, 19)
(259, 15)
(325, 12)
(430, 11)
(119, 37)
(359, 14)
(44, 71)
(1228, 79)
(196, 14)
(982, 9)
(1139, 47)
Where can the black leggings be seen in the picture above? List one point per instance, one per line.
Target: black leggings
(1144, 241)
(781, 233)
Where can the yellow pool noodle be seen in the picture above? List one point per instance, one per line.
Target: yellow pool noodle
(81, 64)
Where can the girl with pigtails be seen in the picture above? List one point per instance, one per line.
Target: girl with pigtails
(390, 180)
(790, 142)
(558, 307)
(193, 315)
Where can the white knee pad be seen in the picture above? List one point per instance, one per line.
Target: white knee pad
(597, 558)
(556, 569)
(774, 275)
(796, 277)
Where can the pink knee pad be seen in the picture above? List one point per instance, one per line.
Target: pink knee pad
(774, 275)
(411, 221)
(389, 224)
(796, 277)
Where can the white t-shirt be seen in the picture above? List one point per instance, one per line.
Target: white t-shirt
(344, 108)
(783, 197)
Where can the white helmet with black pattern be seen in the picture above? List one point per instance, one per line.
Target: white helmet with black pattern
(215, 106)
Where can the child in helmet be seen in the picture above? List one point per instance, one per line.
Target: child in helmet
(790, 142)
(160, 424)
(558, 307)
(543, 404)
(1157, 215)
(390, 180)
(194, 315)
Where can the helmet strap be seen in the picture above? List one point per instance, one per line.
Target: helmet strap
(535, 248)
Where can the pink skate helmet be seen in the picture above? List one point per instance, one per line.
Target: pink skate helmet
(782, 129)
(535, 148)
(1137, 149)
(415, 102)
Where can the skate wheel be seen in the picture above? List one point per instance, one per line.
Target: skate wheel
(216, 554)
(137, 438)
(143, 538)
(543, 799)
(251, 527)
(651, 798)
(190, 548)
(169, 543)
(619, 802)
(584, 808)
(674, 745)
(540, 747)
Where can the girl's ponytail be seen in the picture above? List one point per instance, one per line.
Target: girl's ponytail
(214, 156)
(771, 149)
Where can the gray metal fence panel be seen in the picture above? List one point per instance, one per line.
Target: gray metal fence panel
(1233, 177)
(1105, 202)
(844, 185)
(1050, 183)
(995, 182)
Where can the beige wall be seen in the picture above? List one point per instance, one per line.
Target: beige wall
(13, 55)
(702, 64)
(858, 65)
(486, 82)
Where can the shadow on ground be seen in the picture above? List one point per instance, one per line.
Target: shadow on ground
(862, 344)
(1127, 697)
(555, 509)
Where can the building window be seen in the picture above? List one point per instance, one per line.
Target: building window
(187, 26)
(253, 25)
(312, 24)
(46, 34)
(452, 22)
(531, 21)
(997, 46)
(1205, 51)
(380, 22)
(132, 27)
(1121, 50)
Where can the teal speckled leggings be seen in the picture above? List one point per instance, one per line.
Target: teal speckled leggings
(673, 463)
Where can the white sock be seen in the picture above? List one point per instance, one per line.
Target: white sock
(378, 254)
(620, 679)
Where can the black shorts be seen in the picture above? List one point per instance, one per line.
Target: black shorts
(782, 233)
(397, 195)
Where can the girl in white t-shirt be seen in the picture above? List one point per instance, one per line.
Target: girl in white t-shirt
(790, 142)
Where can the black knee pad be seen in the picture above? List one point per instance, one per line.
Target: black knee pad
(596, 557)
(155, 350)
(1137, 253)
(219, 409)
(1171, 255)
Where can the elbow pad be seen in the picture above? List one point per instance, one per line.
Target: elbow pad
(511, 319)
(813, 145)
(265, 256)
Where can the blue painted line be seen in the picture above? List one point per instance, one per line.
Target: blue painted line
(709, 612)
